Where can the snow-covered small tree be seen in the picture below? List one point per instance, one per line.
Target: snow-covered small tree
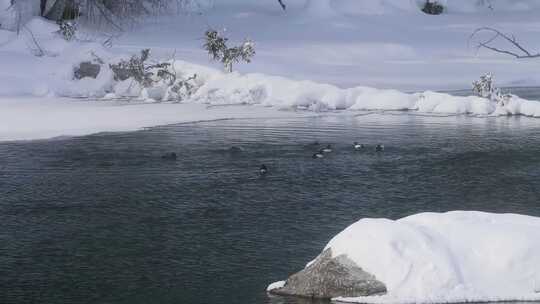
(216, 46)
(432, 7)
(67, 29)
(139, 69)
(151, 75)
(485, 88)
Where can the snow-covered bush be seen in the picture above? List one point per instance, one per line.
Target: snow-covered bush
(67, 29)
(137, 68)
(181, 89)
(159, 78)
(432, 7)
(485, 88)
(216, 46)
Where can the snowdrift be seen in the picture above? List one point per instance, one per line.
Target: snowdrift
(220, 88)
(213, 87)
(446, 258)
(328, 8)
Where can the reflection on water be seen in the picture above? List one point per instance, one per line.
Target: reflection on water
(104, 219)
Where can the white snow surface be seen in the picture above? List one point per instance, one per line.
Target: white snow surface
(325, 55)
(276, 285)
(38, 94)
(43, 118)
(459, 256)
(347, 43)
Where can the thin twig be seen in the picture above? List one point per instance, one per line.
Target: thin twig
(103, 13)
(520, 53)
(40, 50)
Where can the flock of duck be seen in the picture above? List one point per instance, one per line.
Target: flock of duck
(328, 149)
(356, 146)
(319, 154)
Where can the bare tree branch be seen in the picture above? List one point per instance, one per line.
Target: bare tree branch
(283, 6)
(38, 51)
(519, 51)
(104, 13)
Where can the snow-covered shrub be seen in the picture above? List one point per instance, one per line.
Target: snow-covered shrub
(182, 89)
(216, 46)
(432, 7)
(485, 88)
(67, 29)
(137, 68)
(159, 78)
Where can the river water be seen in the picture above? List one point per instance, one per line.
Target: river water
(104, 219)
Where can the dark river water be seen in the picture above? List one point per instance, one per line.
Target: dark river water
(104, 219)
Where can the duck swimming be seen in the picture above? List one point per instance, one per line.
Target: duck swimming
(263, 169)
(328, 149)
(169, 156)
(318, 154)
(358, 146)
(235, 149)
(379, 148)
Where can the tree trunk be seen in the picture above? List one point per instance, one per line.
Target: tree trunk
(58, 10)
(42, 6)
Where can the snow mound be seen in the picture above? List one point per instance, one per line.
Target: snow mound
(219, 88)
(38, 62)
(446, 258)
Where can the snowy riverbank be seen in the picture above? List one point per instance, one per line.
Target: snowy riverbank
(445, 258)
(97, 105)
(338, 46)
(63, 106)
(381, 44)
(43, 118)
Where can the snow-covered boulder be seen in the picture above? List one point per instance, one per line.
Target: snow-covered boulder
(329, 277)
(87, 69)
(444, 257)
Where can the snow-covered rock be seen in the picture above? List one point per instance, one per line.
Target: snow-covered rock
(328, 277)
(446, 257)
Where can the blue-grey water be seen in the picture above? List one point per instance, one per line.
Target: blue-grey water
(104, 219)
